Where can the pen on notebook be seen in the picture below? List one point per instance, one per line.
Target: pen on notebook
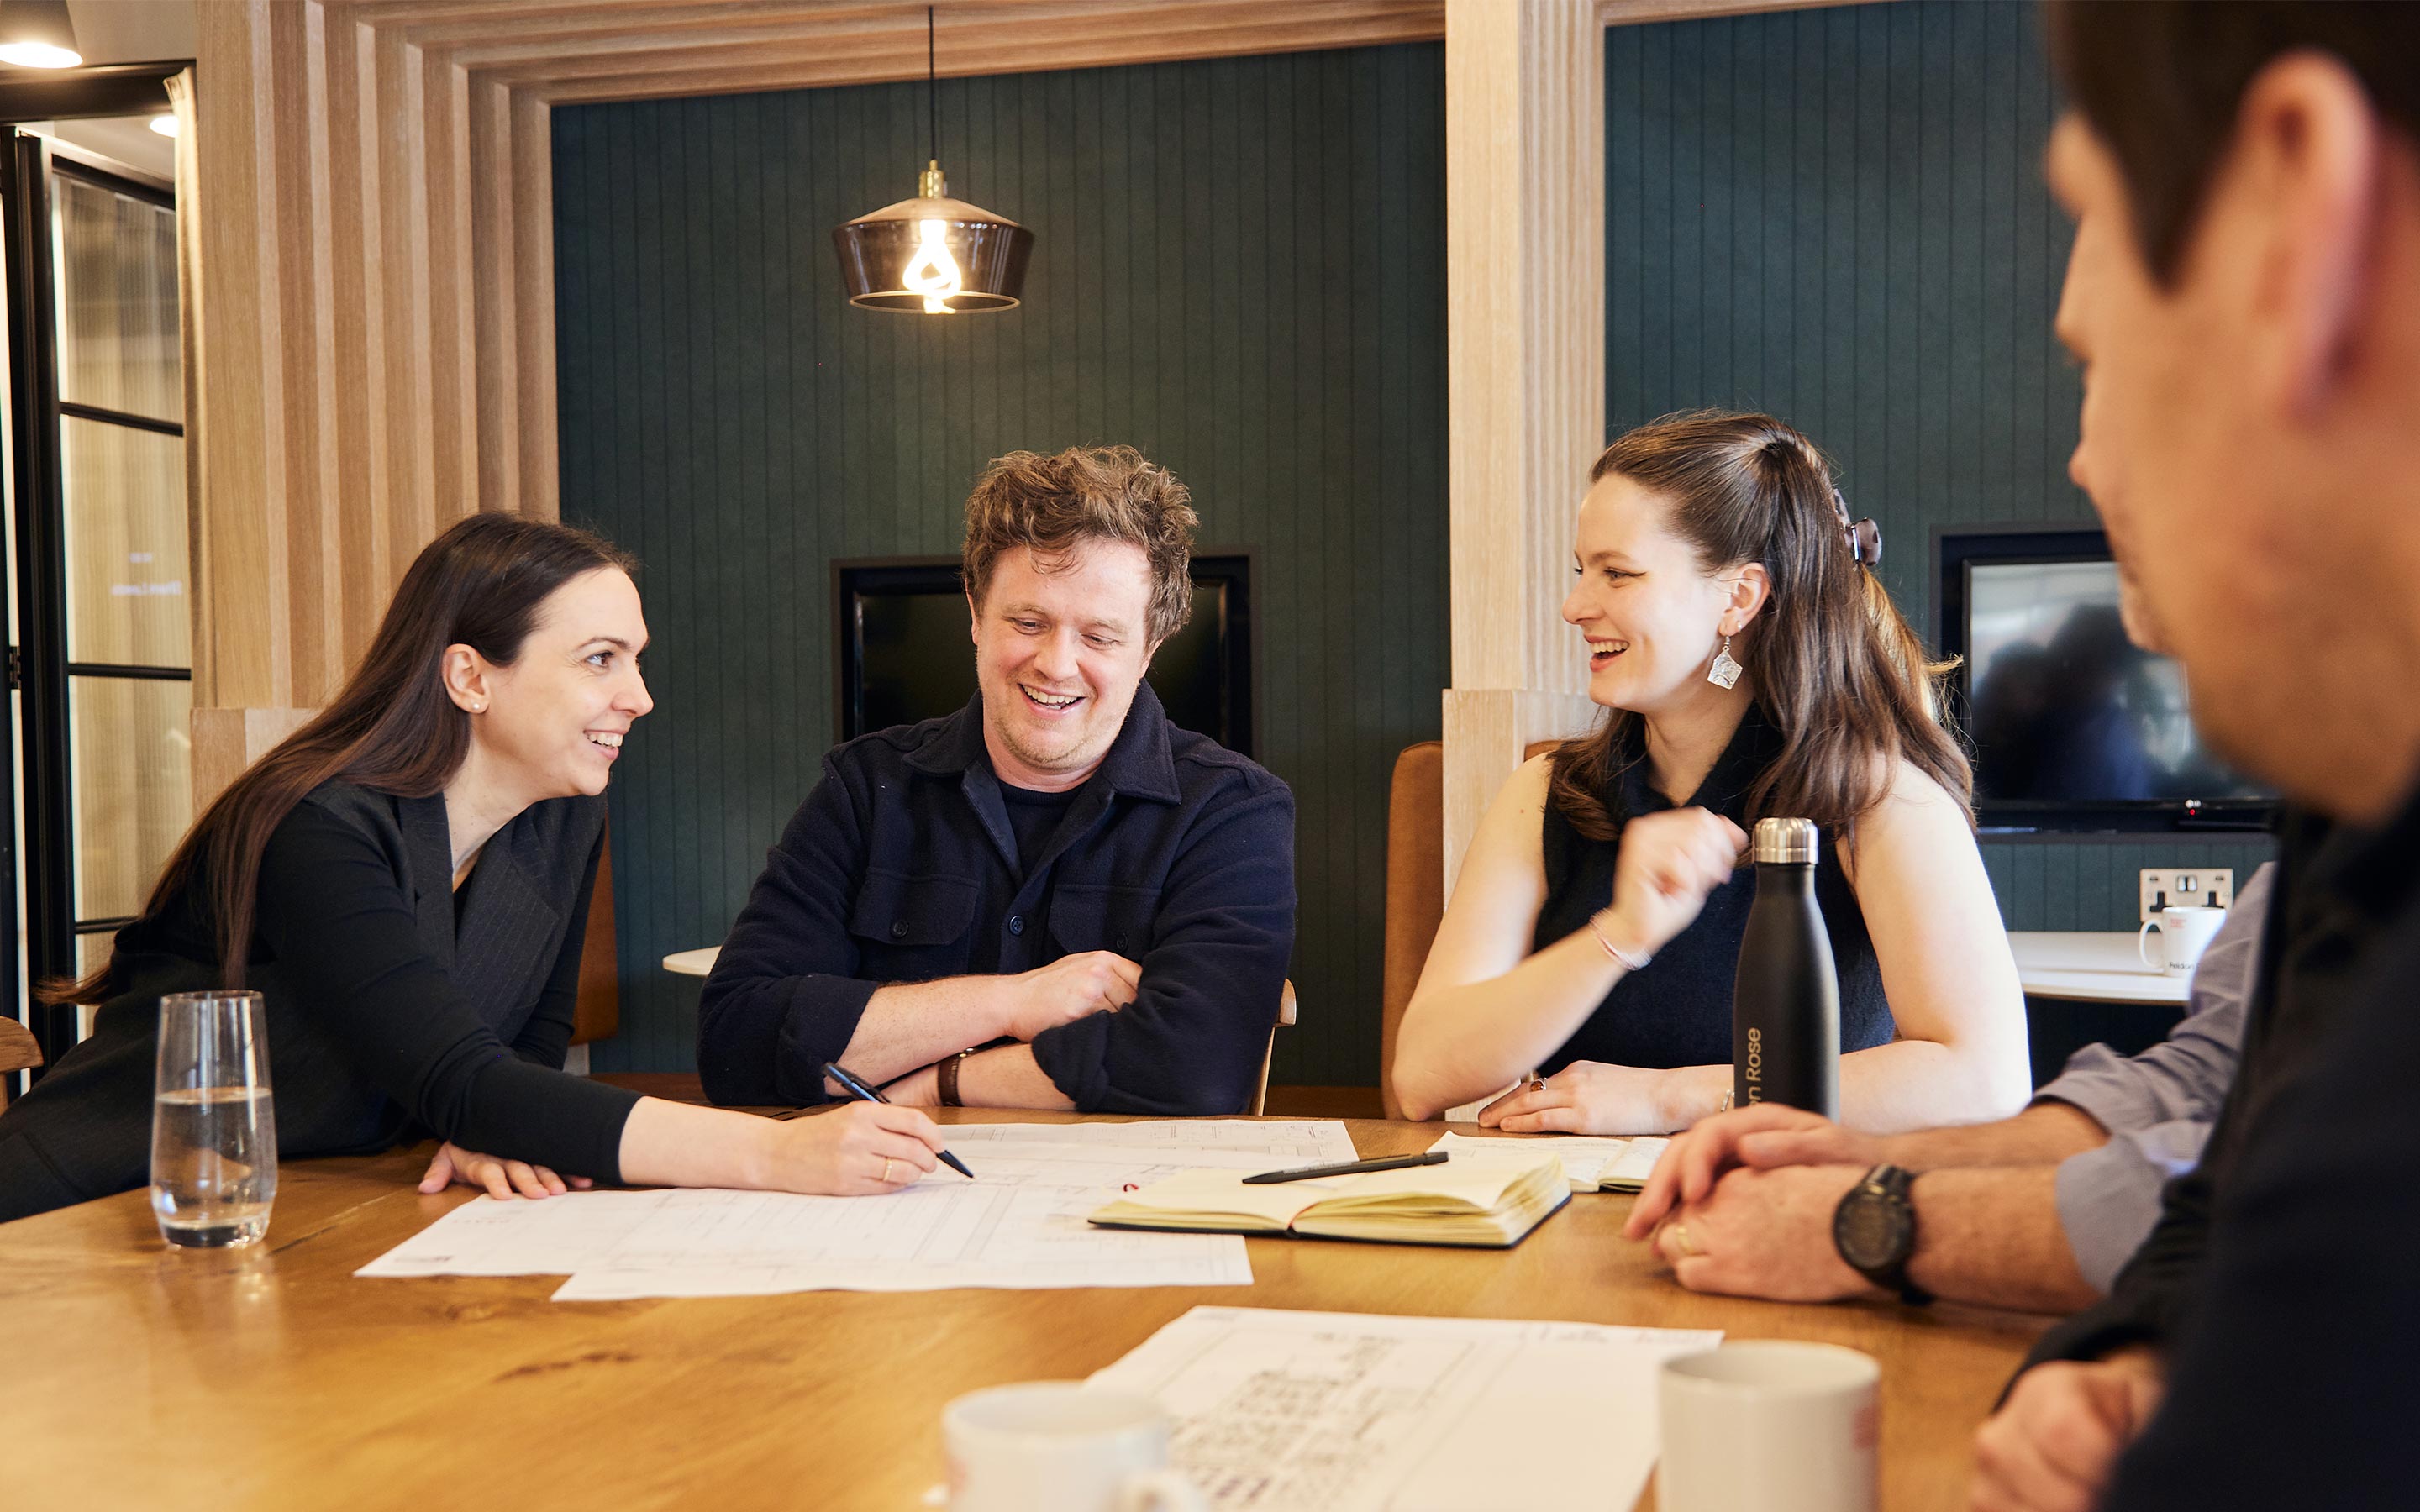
(1385, 1162)
(864, 1093)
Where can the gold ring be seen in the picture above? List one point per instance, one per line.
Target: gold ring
(888, 1161)
(1537, 1083)
(1680, 1236)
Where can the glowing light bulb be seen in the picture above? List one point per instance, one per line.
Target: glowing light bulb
(165, 125)
(32, 55)
(932, 272)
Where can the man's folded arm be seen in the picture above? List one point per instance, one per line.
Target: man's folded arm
(1193, 1040)
(783, 999)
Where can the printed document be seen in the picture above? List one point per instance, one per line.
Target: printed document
(1296, 1412)
(1020, 1224)
(1591, 1163)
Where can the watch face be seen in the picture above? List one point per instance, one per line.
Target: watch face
(1872, 1230)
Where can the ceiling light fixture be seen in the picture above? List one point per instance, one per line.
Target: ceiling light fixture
(933, 254)
(165, 125)
(37, 33)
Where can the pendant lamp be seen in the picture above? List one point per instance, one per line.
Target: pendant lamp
(37, 33)
(933, 254)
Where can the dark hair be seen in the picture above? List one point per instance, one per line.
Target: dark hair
(1837, 670)
(1114, 493)
(391, 728)
(2162, 81)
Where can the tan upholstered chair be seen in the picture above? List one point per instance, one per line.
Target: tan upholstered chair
(1415, 889)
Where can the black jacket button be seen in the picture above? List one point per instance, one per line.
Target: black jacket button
(898, 929)
(1016, 924)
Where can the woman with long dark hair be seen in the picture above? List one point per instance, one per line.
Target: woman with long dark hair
(1752, 666)
(406, 881)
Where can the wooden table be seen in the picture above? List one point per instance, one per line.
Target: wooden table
(141, 1376)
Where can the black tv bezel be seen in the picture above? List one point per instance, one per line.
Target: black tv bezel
(1231, 566)
(1957, 548)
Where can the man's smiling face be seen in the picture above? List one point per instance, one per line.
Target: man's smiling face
(1060, 646)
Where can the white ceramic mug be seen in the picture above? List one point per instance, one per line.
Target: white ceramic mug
(1769, 1426)
(2184, 934)
(1053, 1446)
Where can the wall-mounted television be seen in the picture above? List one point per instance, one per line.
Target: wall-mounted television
(905, 654)
(2075, 728)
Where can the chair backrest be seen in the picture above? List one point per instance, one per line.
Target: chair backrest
(19, 1051)
(1415, 889)
(1286, 1010)
(597, 1013)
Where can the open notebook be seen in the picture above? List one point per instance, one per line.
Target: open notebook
(1594, 1163)
(1484, 1200)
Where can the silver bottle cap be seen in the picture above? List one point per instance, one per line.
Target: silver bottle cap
(1786, 840)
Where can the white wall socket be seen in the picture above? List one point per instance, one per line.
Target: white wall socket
(2184, 886)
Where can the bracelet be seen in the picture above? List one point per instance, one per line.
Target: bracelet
(1597, 928)
(947, 1077)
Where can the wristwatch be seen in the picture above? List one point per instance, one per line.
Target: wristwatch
(1875, 1230)
(947, 1074)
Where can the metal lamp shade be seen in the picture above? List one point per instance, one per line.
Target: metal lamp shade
(875, 251)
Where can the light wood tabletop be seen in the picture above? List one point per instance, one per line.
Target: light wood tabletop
(142, 1376)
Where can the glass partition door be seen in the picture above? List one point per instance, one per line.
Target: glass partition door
(103, 574)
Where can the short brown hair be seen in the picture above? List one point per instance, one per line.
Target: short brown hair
(2162, 81)
(1109, 493)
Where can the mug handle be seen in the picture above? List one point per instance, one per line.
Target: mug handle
(1159, 1490)
(2142, 938)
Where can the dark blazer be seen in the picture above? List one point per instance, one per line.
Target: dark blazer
(902, 866)
(388, 1007)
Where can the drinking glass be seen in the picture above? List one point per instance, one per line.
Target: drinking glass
(213, 1132)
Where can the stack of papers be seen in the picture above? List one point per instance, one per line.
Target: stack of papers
(1592, 1163)
(1018, 1224)
(1295, 1411)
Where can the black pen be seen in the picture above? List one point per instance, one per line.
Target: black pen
(1387, 1162)
(866, 1094)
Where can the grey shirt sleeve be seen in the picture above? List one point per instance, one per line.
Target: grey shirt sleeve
(2158, 1106)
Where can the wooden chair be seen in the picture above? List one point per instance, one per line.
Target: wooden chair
(1285, 1016)
(19, 1051)
(1415, 889)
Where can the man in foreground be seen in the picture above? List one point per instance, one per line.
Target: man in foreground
(1053, 898)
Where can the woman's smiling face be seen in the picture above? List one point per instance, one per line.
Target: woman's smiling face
(1652, 615)
(555, 718)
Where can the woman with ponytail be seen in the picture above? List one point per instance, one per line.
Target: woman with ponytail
(1751, 665)
(406, 880)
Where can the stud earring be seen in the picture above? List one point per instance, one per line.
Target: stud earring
(1725, 670)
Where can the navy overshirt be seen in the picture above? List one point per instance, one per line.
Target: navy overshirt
(901, 866)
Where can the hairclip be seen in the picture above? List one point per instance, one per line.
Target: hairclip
(1865, 536)
(1866, 544)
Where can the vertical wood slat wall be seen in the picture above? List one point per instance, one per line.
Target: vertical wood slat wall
(1838, 216)
(352, 213)
(1240, 269)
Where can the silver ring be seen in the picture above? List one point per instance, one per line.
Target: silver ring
(1537, 1083)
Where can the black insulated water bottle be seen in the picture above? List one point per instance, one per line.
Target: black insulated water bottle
(1786, 998)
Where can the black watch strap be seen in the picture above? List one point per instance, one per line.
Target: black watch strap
(1890, 1185)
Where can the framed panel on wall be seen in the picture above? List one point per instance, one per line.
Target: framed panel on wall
(902, 650)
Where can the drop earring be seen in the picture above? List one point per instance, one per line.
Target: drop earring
(1725, 670)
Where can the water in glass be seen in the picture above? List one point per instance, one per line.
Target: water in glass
(213, 1164)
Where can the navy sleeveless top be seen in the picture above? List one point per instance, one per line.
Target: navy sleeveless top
(1678, 1011)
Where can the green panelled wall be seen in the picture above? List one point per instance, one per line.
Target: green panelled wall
(1838, 216)
(1240, 268)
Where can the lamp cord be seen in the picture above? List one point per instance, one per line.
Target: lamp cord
(932, 88)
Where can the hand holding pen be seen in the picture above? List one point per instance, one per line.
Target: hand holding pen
(864, 1093)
